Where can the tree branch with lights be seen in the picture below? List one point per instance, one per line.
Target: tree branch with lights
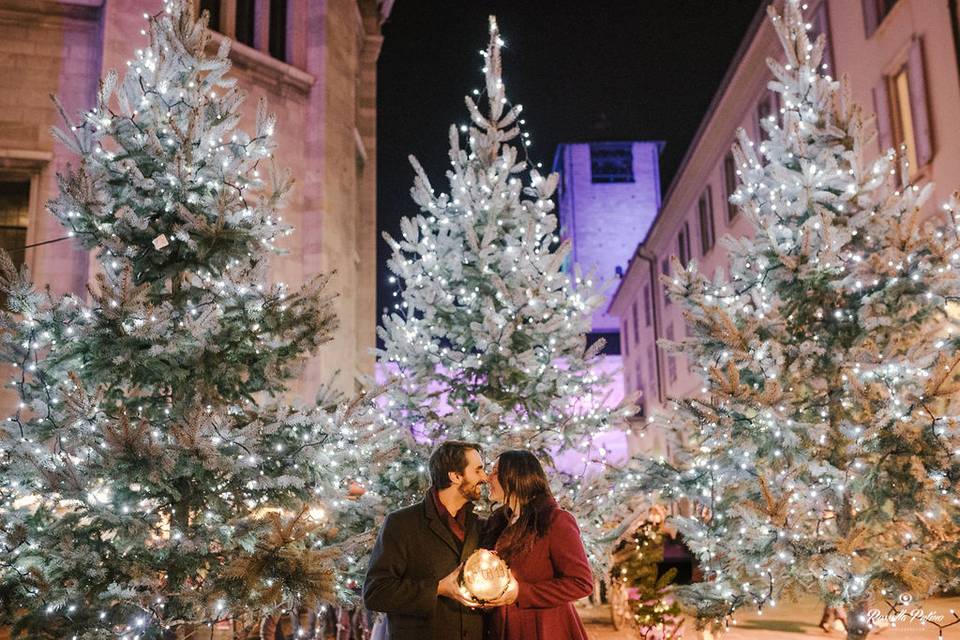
(487, 336)
(823, 455)
(153, 482)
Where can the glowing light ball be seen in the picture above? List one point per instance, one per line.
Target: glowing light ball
(485, 576)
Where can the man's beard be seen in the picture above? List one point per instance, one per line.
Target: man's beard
(471, 493)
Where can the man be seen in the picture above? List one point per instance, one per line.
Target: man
(412, 576)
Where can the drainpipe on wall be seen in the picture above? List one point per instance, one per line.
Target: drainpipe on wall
(654, 301)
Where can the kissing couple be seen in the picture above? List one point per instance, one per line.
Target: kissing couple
(415, 566)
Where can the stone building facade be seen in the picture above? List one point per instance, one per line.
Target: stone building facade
(314, 61)
(609, 195)
(901, 57)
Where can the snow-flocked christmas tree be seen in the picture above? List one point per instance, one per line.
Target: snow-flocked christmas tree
(487, 338)
(824, 454)
(151, 481)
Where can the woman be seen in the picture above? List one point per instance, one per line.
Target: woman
(541, 543)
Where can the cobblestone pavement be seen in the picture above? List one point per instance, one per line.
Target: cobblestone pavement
(792, 621)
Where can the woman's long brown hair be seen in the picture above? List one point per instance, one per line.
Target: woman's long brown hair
(524, 483)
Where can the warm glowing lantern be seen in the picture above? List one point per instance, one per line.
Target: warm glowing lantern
(485, 576)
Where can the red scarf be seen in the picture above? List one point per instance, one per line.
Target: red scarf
(457, 523)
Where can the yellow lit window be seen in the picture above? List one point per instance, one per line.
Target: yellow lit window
(903, 117)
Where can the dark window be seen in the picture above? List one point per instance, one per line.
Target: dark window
(705, 211)
(14, 212)
(886, 6)
(646, 306)
(611, 163)
(683, 245)
(874, 11)
(278, 29)
(730, 184)
(246, 21)
(665, 268)
(625, 332)
(636, 324)
(213, 8)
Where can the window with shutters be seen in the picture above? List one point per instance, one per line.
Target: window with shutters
(705, 212)
(683, 244)
(671, 358)
(691, 360)
(903, 131)
(730, 184)
(665, 269)
(903, 117)
(652, 368)
(647, 314)
(260, 24)
(874, 11)
(819, 22)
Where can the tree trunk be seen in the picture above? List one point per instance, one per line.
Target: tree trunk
(179, 520)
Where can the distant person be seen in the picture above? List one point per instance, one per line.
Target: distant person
(832, 615)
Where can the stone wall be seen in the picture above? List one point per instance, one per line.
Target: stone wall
(606, 221)
(325, 102)
(54, 51)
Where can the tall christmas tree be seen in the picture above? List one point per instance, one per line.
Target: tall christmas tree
(151, 482)
(487, 338)
(824, 456)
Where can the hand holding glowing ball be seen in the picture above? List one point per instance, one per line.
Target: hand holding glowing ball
(485, 576)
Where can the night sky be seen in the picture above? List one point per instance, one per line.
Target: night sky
(583, 70)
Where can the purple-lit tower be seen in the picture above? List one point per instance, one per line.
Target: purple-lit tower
(609, 196)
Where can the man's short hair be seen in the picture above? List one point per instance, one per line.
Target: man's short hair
(449, 456)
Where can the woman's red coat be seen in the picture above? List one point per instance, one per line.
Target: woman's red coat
(553, 574)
